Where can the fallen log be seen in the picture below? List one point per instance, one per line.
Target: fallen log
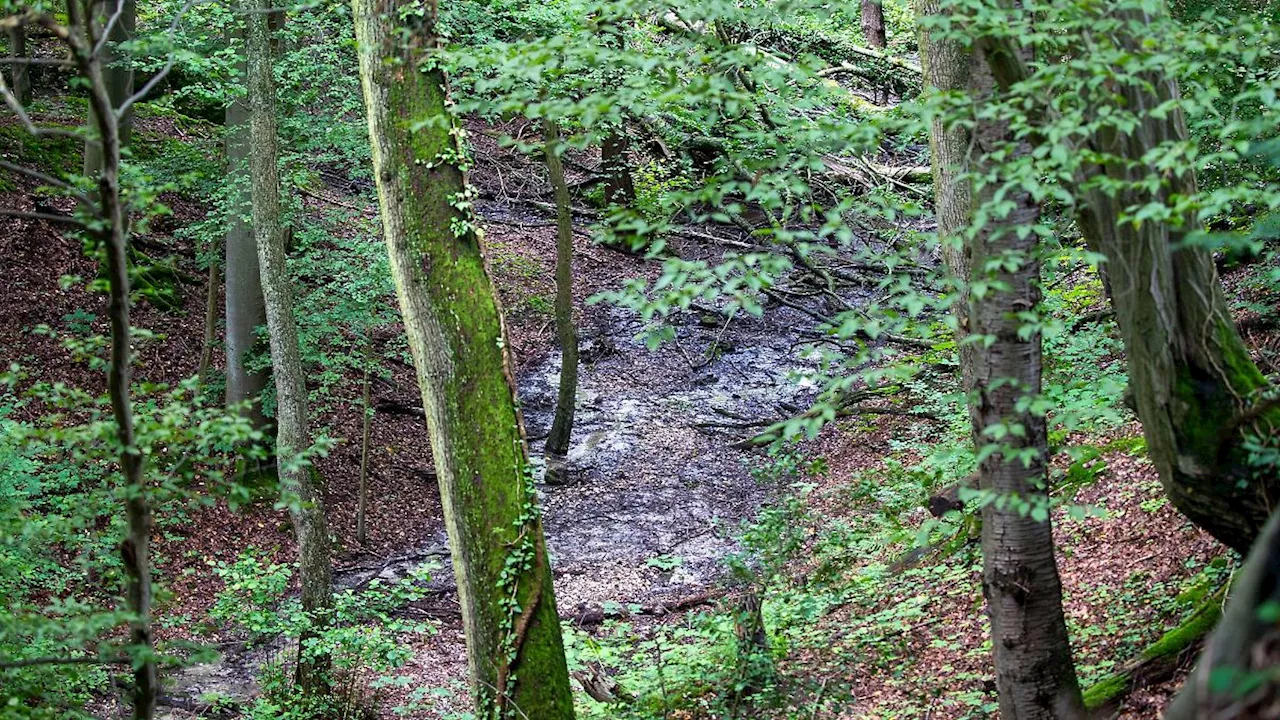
(588, 616)
(1159, 662)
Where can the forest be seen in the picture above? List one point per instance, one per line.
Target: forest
(639, 359)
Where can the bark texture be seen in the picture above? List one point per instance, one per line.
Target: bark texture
(566, 400)
(619, 187)
(20, 72)
(244, 304)
(1243, 647)
(1035, 674)
(292, 434)
(873, 24)
(1196, 389)
(456, 335)
(117, 76)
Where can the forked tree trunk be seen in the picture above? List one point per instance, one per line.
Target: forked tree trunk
(562, 425)
(135, 550)
(292, 434)
(1198, 392)
(456, 335)
(1035, 675)
(117, 75)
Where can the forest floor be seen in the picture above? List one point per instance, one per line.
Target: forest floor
(655, 500)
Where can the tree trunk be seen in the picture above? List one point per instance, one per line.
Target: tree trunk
(210, 321)
(619, 187)
(362, 503)
(117, 75)
(135, 551)
(1196, 389)
(1243, 647)
(562, 425)
(245, 309)
(457, 338)
(873, 24)
(1035, 675)
(948, 66)
(20, 72)
(292, 435)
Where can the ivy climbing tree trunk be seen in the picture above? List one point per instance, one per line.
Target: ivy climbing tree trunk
(245, 310)
(1035, 674)
(297, 479)
(1197, 391)
(118, 17)
(458, 342)
(566, 400)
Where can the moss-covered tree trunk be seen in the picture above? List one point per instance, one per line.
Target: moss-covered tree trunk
(557, 447)
(117, 75)
(456, 335)
(1196, 389)
(245, 311)
(297, 479)
(1035, 674)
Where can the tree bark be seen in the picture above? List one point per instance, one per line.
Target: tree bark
(619, 187)
(365, 434)
(244, 304)
(1035, 674)
(292, 435)
(1243, 645)
(456, 335)
(557, 446)
(117, 75)
(135, 550)
(1196, 389)
(873, 24)
(20, 72)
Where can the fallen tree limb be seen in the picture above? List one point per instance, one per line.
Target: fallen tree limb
(1158, 662)
(588, 615)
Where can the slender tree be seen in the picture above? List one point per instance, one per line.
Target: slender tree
(456, 335)
(245, 310)
(1197, 391)
(562, 425)
(297, 479)
(1035, 674)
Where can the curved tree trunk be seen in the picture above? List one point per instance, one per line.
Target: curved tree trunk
(245, 309)
(117, 75)
(566, 400)
(456, 335)
(292, 435)
(1243, 647)
(1197, 391)
(1035, 675)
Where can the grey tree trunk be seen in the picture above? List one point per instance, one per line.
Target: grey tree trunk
(245, 310)
(20, 72)
(1035, 674)
(292, 434)
(873, 24)
(1197, 390)
(117, 74)
(619, 187)
(456, 334)
(557, 446)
